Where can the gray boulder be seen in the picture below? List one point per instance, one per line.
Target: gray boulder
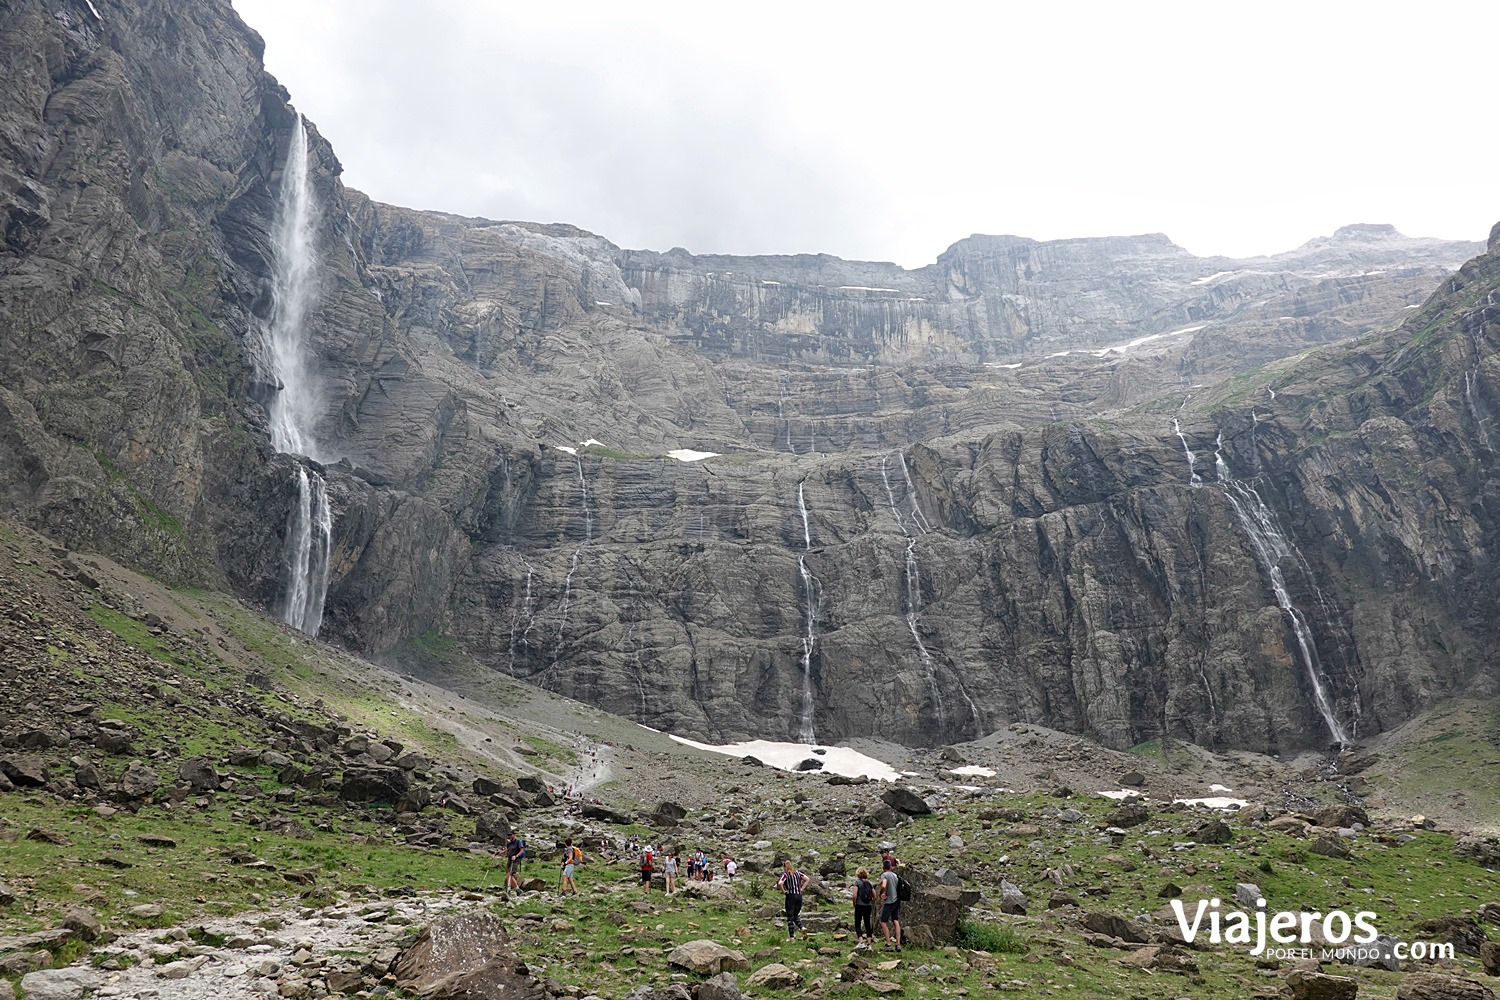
(903, 799)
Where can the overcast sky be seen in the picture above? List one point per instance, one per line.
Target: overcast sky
(888, 133)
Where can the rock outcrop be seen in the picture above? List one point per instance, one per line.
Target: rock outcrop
(919, 515)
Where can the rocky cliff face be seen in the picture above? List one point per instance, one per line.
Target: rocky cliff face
(940, 503)
(1002, 298)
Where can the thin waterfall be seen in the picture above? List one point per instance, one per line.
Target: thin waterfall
(588, 515)
(524, 612)
(1192, 460)
(917, 517)
(913, 602)
(810, 637)
(1271, 547)
(295, 409)
(588, 538)
(562, 625)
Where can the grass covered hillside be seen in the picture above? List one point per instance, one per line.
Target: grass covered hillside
(196, 801)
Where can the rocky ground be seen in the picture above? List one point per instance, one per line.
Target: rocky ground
(196, 801)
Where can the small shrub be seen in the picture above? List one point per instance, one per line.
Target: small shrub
(994, 938)
(754, 888)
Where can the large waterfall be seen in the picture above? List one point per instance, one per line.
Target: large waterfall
(1271, 547)
(294, 410)
(810, 637)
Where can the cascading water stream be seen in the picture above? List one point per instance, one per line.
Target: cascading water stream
(588, 515)
(1193, 478)
(588, 538)
(781, 415)
(917, 518)
(524, 612)
(914, 594)
(805, 733)
(306, 552)
(294, 410)
(1271, 547)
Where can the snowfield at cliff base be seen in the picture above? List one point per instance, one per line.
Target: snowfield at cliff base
(786, 757)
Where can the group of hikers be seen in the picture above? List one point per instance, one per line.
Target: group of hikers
(793, 883)
(864, 895)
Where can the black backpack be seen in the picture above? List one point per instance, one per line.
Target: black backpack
(903, 889)
(866, 894)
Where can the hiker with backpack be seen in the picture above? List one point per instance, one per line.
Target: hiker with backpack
(515, 853)
(571, 856)
(648, 860)
(863, 899)
(890, 904)
(792, 883)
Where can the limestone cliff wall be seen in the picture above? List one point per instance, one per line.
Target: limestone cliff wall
(992, 533)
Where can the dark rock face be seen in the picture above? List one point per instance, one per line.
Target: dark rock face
(375, 784)
(25, 770)
(981, 544)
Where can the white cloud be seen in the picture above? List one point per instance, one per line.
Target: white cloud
(890, 132)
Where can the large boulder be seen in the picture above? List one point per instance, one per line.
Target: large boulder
(1305, 985)
(1464, 933)
(1438, 986)
(717, 889)
(882, 817)
(1330, 845)
(60, 984)
(932, 915)
(491, 827)
(707, 958)
(464, 955)
(1215, 831)
(774, 977)
(721, 987)
(1341, 814)
(25, 770)
(903, 799)
(375, 784)
(200, 774)
(1481, 850)
(1114, 925)
(593, 810)
(138, 781)
(1129, 814)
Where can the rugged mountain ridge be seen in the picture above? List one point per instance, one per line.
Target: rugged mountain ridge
(981, 544)
(1000, 298)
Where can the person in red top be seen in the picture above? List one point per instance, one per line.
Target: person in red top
(648, 861)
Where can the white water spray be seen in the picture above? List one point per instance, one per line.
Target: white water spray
(562, 625)
(913, 600)
(805, 733)
(1192, 460)
(1271, 547)
(305, 554)
(917, 517)
(526, 613)
(295, 409)
(588, 515)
